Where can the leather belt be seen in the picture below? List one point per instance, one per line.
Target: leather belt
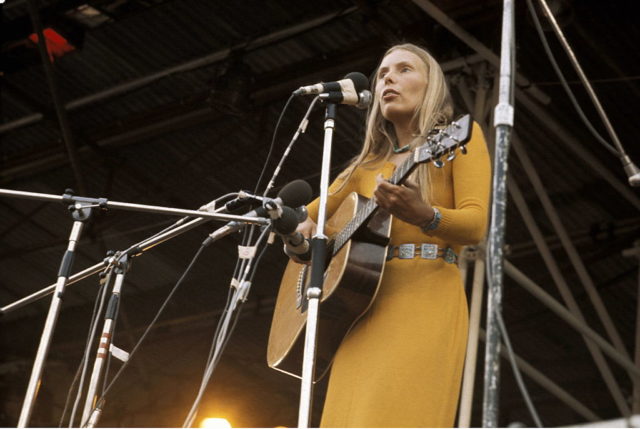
(423, 251)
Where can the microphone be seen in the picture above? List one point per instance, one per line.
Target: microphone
(296, 193)
(295, 244)
(345, 91)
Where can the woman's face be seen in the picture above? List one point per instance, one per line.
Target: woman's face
(401, 84)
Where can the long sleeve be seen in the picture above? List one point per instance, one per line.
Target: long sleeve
(335, 199)
(466, 222)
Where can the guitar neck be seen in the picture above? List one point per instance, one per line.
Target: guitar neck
(441, 143)
(371, 206)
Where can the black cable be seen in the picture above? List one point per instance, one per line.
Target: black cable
(564, 83)
(512, 359)
(516, 372)
(215, 353)
(95, 317)
(148, 329)
(273, 142)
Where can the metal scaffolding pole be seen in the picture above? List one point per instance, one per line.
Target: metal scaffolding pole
(181, 68)
(503, 123)
(560, 310)
(567, 296)
(468, 378)
(548, 384)
(63, 120)
(570, 249)
(634, 252)
(594, 164)
(434, 12)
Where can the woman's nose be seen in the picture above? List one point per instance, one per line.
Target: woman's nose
(389, 77)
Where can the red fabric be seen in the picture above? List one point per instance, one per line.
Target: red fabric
(56, 44)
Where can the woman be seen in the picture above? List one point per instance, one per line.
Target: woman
(401, 364)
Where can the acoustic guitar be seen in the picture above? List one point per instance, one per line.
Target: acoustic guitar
(358, 235)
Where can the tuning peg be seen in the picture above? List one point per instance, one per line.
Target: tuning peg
(463, 149)
(452, 155)
(438, 163)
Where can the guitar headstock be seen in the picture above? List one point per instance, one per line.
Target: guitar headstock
(445, 142)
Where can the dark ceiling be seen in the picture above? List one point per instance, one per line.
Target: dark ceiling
(174, 103)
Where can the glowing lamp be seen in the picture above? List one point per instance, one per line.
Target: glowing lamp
(215, 423)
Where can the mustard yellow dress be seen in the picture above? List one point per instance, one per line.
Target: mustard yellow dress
(401, 365)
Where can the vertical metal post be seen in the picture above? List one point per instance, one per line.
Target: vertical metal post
(468, 379)
(503, 122)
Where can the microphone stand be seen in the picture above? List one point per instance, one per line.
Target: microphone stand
(318, 261)
(178, 228)
(121, 266)
(503, 122)
(81, 208)
(80, 214)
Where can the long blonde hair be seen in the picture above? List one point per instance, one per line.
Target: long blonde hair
(436, 109)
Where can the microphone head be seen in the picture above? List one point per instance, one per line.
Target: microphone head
(287, 223)
(360, 81)
(296, 193)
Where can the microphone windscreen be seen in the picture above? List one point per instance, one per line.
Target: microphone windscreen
(296, 193)
(287, 223)
(360, 81)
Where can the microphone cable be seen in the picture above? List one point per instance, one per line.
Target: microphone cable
(512, 359)
(150, 326)
(83, 366)
(565, 85)
(226, 325)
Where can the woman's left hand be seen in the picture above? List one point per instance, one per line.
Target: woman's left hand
(403, 201)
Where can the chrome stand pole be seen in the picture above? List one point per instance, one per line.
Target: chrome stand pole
(80, 214)
(314, 292)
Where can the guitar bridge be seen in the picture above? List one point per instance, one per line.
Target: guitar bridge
(302, 279)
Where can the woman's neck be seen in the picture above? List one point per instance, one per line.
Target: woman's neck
(404, 133)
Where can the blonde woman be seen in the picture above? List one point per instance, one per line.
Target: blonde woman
(401, 365)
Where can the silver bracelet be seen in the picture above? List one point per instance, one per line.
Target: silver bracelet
(433, 223)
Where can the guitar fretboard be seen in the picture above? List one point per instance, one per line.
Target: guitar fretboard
(367, 210)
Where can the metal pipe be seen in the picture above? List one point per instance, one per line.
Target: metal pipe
(466, 396)
(583, 77)
(181, 68)
(566, 294)
(576, 261)
(635, 402)
(63, 121)
(545, 382)
(577, 147)
(566, 315)
(503, 123)
(442, 19)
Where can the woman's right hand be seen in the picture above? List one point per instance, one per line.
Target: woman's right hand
(308, 230)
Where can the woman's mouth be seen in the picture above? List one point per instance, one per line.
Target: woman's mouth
(389, 94)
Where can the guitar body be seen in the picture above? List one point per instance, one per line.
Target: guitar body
(351, 282)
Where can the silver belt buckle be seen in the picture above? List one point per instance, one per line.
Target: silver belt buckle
(429, 251)
(406, 251)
